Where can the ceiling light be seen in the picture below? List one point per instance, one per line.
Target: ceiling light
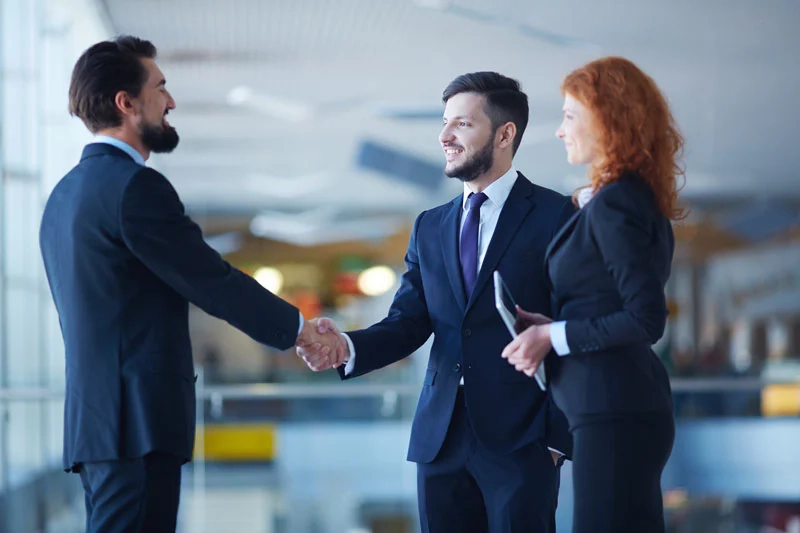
(433, 4)
(239, 95)
(270, 278)
(376, 280)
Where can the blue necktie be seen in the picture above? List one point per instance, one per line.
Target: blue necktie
(469, 241)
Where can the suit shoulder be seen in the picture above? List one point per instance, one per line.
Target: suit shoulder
(443, 208)
(148, 177)
(548, 197)
(550, 194)
(630, 186)
(558, 206)
(439, 211)
(630, 195)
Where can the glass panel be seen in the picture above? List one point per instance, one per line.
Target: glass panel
(53, 371)
(22, 213)
(54, 437)
(3, 436)
(23, 322)
(18, 36)
(24, 441)
(20, 138)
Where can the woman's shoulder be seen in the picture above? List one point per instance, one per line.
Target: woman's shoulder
(630, 188)
(630, 194)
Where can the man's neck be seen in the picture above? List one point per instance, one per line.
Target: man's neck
(480, 183)
(128, 137)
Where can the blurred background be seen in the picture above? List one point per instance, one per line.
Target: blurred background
(308, 145)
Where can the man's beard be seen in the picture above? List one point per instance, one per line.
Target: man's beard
(476, 166)
(159, 138)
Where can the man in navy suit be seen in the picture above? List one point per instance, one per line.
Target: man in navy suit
(482, 431)
(123, 262)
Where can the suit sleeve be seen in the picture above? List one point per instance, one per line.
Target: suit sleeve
(406, 327)
(157, 231)
(623, 227)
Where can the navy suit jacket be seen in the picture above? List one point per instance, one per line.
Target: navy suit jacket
(608, 267)
(123, 262)
(506, 408)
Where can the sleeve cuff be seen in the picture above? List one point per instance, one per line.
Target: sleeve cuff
(302, 323)
(558, 337)
(351, 363)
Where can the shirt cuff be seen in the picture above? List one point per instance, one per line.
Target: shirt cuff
(351, 363)
(302, 323)
(558, 337)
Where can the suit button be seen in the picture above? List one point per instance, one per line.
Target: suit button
(467, 332)
(457, 367)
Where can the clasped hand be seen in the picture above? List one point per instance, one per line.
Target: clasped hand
(321, 345)
(528, 350)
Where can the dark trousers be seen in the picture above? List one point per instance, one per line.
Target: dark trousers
(132, 496)
(468, 489)
(616, 472)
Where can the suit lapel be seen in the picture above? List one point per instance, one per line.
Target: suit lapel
(449, 228)
(515, 210)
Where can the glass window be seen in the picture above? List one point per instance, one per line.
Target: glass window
(25, 439)
(23, 339)
(21, 224)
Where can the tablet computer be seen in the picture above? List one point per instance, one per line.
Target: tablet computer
(504, 302)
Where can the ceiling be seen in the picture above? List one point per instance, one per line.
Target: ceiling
(280, 101)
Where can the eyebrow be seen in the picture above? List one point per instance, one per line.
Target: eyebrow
(161, 83)
(460, 117)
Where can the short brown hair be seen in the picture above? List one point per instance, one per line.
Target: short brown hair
(101, 72)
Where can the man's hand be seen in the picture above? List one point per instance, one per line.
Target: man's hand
(321, 346)
(526, 319)
(528, 350)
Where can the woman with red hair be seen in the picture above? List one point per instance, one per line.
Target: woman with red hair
(608, 267)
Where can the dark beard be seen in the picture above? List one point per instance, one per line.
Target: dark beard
(476, 166)
(159, 139)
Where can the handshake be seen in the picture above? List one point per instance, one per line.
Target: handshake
(321, 345)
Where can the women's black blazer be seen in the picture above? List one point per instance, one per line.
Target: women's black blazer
(607, 268)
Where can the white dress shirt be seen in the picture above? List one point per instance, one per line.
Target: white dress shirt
(558, 330)
(122, 145)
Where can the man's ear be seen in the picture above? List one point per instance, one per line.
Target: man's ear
(508, 132)
(124, 103)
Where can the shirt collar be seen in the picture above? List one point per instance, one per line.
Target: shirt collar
(585, 194)
(122, 145)
(497, 192)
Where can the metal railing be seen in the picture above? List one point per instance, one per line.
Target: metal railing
(263, 391)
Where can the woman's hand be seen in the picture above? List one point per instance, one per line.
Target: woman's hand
(528, 350)
(526, 319)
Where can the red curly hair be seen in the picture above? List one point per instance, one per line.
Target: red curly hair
(635, 128)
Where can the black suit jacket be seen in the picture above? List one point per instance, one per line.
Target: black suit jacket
(123, 262)
(608, 267)
(506, 408)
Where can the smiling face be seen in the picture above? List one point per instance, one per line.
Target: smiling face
(467, 137)
(578, 133)
(152, 106)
